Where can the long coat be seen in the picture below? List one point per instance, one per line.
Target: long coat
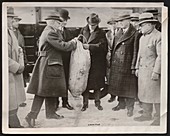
(16, 83)
(48, 78)
(124, 55)
(98, 49)
(149, 60)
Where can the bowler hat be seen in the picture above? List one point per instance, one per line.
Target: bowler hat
(111, 21)
(93, 19)
(17, 18)
(10, 12)
(124, 17)
(153, 11)
(64, 14)
(134, 17)
(54, 16)
(147, 17)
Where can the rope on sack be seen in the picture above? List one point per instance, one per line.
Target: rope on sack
(80, 35)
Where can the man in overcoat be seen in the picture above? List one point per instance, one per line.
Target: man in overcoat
(148, 68)
(67, 35)
(16, 68)
(95, 41)
(48, 78)
(123, 82)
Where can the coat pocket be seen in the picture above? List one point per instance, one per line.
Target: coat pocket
(54, 68)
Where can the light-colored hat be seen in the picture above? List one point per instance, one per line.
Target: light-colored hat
(111, 21)
(134, 17)
(154, 11)
(10, 12)
(146, 17)
(93, 19)
(124, 17)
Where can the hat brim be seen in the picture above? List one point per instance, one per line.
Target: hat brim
(99, 20)
(18, 18)
(147, 21)
(53, 18)
(11, 15)
(120, 19)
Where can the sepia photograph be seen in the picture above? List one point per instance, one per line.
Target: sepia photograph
(84, 67)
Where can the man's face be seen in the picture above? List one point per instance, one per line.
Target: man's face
(57, 24)
(145, 27)
(112, 26)
(64, 23)
(124, 23)
(15, 23)
(10, 21)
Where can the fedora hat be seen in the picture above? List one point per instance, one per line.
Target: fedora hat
(124, 17)
(147, 17)
(64, 14)
(54, 16)
(111, 21)
(93, 19)
(17, 18)
(134, 17)
(10, 12)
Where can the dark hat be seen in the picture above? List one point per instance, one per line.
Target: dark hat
(111, 21)
(10, 12)
(147, 17)
(124, 17)
(134, 17)
(153, 11)
(93, 19)
(54, 16)
(17, 18)
(64, 14)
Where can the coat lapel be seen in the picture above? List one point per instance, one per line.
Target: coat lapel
(131, 30)
(93, 35)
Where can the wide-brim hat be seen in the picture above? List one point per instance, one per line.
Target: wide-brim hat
(124, 17)
(134, 17)
(17, 18)
(111, 21)
(64, 14)
(54, 16)
(10, 12)
(93, 19)
(147, 17)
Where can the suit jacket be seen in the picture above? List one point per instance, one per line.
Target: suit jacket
(48, 78)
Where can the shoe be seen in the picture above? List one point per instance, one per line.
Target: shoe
(22, 105)
(143, 118)
(111, 99)
(156, 122)
(99, 107)
(118, 107)
(30, 121)
(130, 113)
(68, 107)
(84, 107)
(140, 112)
(55, 116)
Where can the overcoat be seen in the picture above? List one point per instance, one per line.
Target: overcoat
(98, 49)
(124, 55)
(48, 78)
(149, 60)
(16, 83)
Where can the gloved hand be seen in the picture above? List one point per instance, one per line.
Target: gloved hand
(86, 46)
(136, 72)
(21, 69)
(155, 76)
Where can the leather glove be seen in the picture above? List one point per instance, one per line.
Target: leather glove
(155, 76)
(86, 46)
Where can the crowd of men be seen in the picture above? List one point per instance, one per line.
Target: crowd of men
(128, 55)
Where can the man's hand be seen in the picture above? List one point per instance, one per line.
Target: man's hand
(136, 72)
(86, 46)
(155, 76)
(133, 71)
(20, 70)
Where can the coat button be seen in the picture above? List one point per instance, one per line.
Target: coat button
(121, 52)
(123, 43)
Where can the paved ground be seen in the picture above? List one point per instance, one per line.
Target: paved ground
(90, 117)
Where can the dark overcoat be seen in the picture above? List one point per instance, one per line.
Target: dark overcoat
(124, 55)
(98, 49)
(48, 78)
